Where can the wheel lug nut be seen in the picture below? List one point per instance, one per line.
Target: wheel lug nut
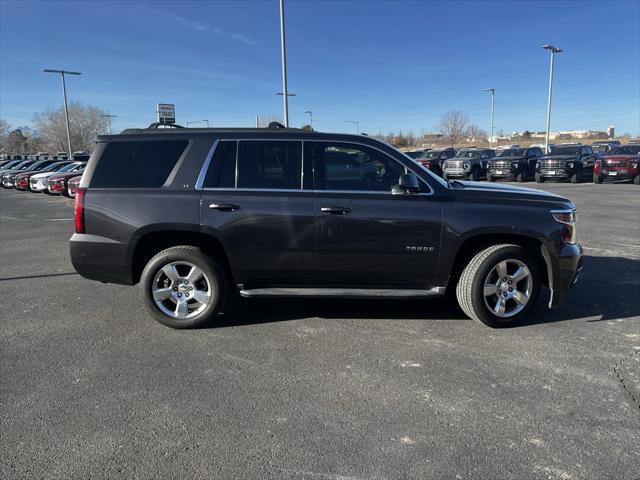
(186, 294)
(510, 282)
(505, 294)
(179, 295)
(175, 289)
(510, 289)
(190, 288)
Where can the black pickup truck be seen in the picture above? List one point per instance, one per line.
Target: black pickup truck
(514, 163)
(202, 216)
(566, 162)
(468, 164)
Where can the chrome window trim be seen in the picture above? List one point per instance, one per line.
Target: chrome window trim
(205, 165)
(307, 190)
(302, 141)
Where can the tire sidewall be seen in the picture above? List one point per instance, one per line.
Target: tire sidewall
(511, 252)
(206, 264)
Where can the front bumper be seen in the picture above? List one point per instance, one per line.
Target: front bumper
(616, 174)
(564, 269)
(456, 172)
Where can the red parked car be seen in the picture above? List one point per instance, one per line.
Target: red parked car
(22, 179)
(57, 183)
(619, 164)
(72, 185)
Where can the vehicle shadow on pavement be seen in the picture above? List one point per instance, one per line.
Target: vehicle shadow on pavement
(254, 311)
(608, 289)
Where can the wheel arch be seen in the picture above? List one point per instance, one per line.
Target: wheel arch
(152, 242)
(473, 244)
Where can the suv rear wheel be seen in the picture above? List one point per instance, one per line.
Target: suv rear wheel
(499, 285)
(183, 287)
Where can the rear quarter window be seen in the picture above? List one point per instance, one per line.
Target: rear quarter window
(137, 164)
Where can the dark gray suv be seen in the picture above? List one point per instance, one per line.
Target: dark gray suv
(200, 216)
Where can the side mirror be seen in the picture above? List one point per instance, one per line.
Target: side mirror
(407, 184)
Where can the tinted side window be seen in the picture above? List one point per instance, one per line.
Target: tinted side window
(137, 164)
(355, 167)
(270, 164)
(222, 170)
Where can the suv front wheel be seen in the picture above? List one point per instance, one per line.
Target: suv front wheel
(183, 287)
(499, 285)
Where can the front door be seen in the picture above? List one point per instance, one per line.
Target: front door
(366, 235)
(253, 201)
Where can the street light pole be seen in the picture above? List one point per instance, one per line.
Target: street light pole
(357, 124)
(285, 93)
(310, 118)
(109, 117)
(493, 106)
(553, 51)
(66, 109)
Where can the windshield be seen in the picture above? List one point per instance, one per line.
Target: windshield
(468, 154)
(12, 163)
(24, 165)
(54, 167)
(626, 150)
(566, 150)
(70, 167)
(513, 152)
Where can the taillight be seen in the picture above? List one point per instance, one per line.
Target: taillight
(78, 207)
(568, 220)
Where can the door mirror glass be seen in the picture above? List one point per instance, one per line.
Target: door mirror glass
(407, 184)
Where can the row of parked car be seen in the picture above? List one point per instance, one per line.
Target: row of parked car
(570, 162)
(52, 174)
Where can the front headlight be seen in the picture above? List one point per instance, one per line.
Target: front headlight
(466, 165)
(568, 219)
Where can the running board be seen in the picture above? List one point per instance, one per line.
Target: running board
(342, 292)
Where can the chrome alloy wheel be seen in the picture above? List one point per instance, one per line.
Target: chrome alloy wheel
(181, 290)
(507, 288)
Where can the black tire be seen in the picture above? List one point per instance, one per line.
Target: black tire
(520, 178)
(474, 176)
(213, 276)
(636, 179)
(445, 177)
(597, 178)
(490, 178)
(576, 177)
(539, 178)
(470, 288)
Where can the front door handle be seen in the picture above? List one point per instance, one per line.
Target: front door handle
(224, 207)
(335, 210)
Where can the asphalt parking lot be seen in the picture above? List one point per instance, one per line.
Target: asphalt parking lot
(92, 387)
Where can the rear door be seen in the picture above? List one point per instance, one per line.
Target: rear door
(253, 200)
(366, 235)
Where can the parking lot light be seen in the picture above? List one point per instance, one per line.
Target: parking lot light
(493, 105)
(553, 51)
(64, 93)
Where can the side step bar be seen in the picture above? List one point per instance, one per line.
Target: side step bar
(342, 292)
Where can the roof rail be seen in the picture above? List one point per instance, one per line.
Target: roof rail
(157, 125)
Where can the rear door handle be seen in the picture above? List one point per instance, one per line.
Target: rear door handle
(335, 210)
(224, 207)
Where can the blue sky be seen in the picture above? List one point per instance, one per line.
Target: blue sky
(391, 65)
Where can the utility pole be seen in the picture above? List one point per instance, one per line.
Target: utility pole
(285, 92)
(310, 118)
(553, 51)
(357, 124)
(109, 117)
(66, 109)
(493, 106)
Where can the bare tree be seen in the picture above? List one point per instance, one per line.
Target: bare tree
(5, 129)
(85, 122)
(453, 126)
(265, 119)
(475, 134)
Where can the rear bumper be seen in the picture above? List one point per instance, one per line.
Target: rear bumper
(100, 258)
(564, 270)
